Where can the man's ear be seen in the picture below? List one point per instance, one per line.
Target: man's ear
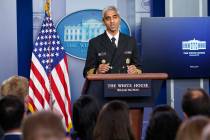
(103, 21)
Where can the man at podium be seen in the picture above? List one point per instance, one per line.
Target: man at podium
(112, 51)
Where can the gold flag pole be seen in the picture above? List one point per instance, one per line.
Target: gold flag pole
(47, 7)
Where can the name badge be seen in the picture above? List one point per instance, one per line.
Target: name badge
(127, 52)
(102, 54)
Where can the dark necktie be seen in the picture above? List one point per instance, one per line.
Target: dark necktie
(113, 42)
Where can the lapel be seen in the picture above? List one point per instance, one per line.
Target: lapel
(106, 43)
(121, 46)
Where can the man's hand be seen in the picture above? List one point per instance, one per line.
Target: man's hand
(103, 68)
(133, 70)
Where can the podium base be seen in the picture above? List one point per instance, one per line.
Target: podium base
(137, 122)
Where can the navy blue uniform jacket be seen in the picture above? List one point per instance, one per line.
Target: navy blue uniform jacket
(100, 49)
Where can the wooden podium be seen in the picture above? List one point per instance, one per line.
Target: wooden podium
(138, 91)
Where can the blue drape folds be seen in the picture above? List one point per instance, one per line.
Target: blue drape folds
(157, 8)
(24, 36)
(208, 4)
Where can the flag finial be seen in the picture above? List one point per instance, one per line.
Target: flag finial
(47, 7)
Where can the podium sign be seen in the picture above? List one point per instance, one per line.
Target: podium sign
(127, 88)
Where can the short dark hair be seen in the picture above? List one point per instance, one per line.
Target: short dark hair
(196, 102)
(163, 124)
(85, 113)
(113, 122)
(11, 112)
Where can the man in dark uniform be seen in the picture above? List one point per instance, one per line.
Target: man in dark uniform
(112, 51)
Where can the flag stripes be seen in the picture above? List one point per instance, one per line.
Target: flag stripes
(49, 87)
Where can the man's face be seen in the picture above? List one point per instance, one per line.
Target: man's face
(112, 21)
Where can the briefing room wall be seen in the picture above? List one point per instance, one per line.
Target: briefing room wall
(182, 8)
(8, 39)
(15, 38)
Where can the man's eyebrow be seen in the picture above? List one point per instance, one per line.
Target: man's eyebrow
(107, 17)
(116, 15)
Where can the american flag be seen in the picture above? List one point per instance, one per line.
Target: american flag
(49, 87)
